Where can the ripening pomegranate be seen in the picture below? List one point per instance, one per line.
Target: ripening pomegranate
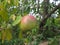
(28, 22)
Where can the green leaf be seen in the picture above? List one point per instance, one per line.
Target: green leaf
(5, 3)
(18, 19)
(3, 35)
(57, 21)
(3, 12)
(0, 34)
(59, 11)
(14, 2)
(8, 35)
(20, 35)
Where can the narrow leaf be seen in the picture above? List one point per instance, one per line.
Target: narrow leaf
(3, 13)
(18, 19)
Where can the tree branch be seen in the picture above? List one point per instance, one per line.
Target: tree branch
(45, 7)
(43, 22)
(38, 7)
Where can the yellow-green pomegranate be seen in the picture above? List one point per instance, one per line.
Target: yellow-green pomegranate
(28, 22)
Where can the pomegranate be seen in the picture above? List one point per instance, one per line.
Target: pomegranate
(28, 22)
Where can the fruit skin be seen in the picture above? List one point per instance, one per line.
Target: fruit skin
(28, 22)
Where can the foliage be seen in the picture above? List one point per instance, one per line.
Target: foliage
(11, 12)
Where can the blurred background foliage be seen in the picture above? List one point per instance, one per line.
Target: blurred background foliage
(11, 12)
